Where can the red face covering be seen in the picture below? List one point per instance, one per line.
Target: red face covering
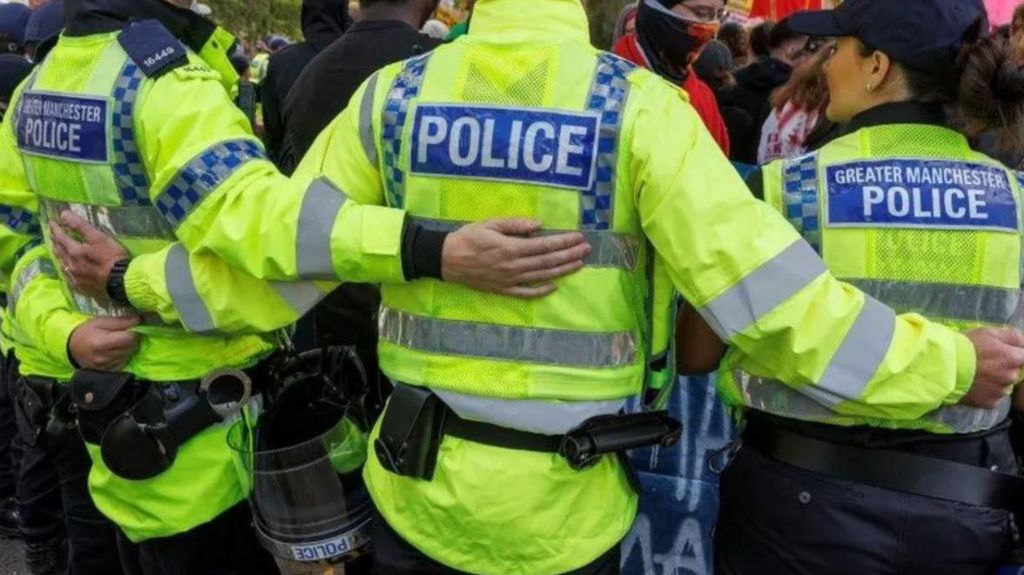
(671, 42)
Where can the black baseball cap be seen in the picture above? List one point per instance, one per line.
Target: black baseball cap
(923, 34)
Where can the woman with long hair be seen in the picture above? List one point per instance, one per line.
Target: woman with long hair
(798, 110)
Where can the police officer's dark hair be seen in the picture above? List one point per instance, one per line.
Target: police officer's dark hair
(983, 89)
(780, 34)
(759, 38)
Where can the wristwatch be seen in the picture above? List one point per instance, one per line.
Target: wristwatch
(115, 284)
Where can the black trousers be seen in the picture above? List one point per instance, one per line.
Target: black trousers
(392, 555)
(225, 546)
(53, 491)
(92, 538)
(10, 442)
(778, 519)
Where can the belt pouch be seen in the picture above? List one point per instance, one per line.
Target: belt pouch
(411, 432)
(101, 397)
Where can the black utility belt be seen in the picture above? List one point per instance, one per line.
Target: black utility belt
(892, 470)
(139, 425)
(417, 420)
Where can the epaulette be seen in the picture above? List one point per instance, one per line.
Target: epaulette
(153, 48)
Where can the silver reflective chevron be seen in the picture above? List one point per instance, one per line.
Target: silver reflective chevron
(808, 404)
(973, 303)
(503, 342)
(763, 290)
(28, 273)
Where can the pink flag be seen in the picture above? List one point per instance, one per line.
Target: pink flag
(1000, 11)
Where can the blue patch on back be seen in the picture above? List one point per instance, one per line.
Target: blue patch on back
(538, 147)
(929, 194)
(64, 126)
(152, 47)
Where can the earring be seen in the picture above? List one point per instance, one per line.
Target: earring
(870, 88)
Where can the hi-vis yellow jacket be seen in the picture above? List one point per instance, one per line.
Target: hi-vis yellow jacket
(655, 177)
(136, 133)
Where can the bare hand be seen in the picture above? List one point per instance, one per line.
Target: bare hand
(105, 343)
(495, 256)
(1000, 358)
(86, 263)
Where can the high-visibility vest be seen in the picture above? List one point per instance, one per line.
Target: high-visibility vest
(431, 125)
(914, 218)
(91, 164)
(570, 346)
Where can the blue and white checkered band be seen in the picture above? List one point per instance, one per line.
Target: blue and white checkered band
(800, 196)
(129, 170)
(19, 221)
(203, 175)
(405, 89)
(608, 95)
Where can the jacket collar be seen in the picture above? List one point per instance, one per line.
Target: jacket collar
(516, 21)
(899, 113)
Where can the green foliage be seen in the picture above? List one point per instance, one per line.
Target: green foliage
(603, 14)
(252, 19)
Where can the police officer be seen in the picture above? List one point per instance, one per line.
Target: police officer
(848, 478)
(13, 69)
(92, 143)
(494, 455)
(64, 532)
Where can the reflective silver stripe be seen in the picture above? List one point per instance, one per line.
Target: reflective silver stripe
(972, 303)
(94, 308)
(607, 249)
(501, 342)
(762, 290)
(861, 354)
(28, 273)
(963, 419)
(182, 287)
(320, 208)
(548, 417)
(301, 296)
(773, 396)
(849, 371)
(366, 120)
(125, 222)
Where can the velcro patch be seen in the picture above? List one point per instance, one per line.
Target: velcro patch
(929, 194)
(64, 126)
(152, 47)
(539, 147)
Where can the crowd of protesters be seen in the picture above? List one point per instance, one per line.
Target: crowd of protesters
(760, 87)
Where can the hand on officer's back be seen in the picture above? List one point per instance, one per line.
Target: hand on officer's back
(1000, 359)
(500, 256)
(104, 343)
(86, 261)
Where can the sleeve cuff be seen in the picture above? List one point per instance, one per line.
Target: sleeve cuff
(966, 368)
(136, 284)
(422, 251)
(60, 327)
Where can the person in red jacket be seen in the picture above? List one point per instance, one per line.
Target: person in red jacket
(669, 36)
